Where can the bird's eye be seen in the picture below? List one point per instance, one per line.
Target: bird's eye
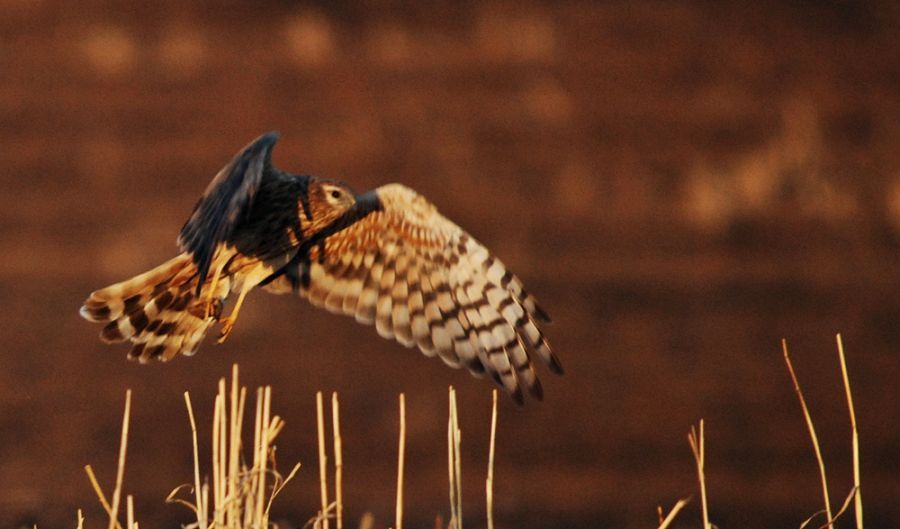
(335, 194)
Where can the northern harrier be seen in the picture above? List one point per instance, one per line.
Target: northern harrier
(385, 257)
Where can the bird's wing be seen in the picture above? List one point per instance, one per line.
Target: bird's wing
(424, 281)
(225, 202)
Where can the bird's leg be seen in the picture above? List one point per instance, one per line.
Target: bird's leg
(211, 291)
(229, 321)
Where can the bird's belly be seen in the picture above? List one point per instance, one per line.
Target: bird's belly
(247, 272)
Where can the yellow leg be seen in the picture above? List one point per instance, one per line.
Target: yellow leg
(211, 290)
(229, 321)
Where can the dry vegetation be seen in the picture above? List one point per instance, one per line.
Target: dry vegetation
(243, 490)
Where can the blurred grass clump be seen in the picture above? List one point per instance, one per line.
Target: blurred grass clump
(242, 490)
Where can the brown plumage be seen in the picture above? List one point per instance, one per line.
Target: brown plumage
(386, 257)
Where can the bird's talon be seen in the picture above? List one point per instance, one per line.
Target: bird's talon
(227, 326)
(212, 309)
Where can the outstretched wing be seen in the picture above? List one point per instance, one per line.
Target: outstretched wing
(423, 281)
(226, 200)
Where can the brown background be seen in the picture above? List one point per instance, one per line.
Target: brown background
(681, 184)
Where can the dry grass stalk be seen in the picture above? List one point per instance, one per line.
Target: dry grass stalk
(451, 467)
(113, 508)
(217, 459)
(238, 401)
(265, 440)
(857, 498)
(204, 493)
(323, 459)
(200, 507)
(257, 443)
(831, 522)
(810, 427)
(454, 464)
(120, 470)
(238, 493)
(401, 457)
(697, 441)
(367, 521)
(217, 520)
(129, 513)
(855, 492)
(489, 482)
(100, 496)
(665, 522)
(338, 462)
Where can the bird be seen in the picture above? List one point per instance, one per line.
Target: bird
(386, 257)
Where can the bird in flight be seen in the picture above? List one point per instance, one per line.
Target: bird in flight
(385, 257)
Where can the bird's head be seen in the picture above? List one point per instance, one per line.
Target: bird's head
(328, 200)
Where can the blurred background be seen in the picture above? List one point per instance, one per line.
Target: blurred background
(681, 184)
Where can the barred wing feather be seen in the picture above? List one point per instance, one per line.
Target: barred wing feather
(424, 281)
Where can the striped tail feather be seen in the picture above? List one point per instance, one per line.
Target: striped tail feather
(157, 311)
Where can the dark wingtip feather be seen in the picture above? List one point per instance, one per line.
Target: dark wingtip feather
(269, 138)
(518, 397)
(475, 366)
(537, 390)
(261, 145)
(555, 365)
(541, 314)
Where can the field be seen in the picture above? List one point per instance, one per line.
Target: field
(246, 479)
(681, 184)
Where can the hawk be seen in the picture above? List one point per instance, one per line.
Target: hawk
(385, 257)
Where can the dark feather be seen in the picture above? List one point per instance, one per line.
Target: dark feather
(226, 201)
(297, 269)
